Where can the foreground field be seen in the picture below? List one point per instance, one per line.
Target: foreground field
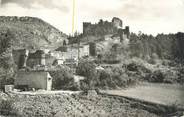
(166, 94)
(66, 105)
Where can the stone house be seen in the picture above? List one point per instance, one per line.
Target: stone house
(73, 52)
(31, 58)
(58, 62)
(33, 79)
(84, 51)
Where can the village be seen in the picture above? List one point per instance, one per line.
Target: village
(89, 73)
(33, 65)
(81, 58)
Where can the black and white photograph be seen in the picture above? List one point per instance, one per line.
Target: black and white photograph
(91, 58)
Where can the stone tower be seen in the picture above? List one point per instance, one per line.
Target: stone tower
(118, 23)
(86, 27)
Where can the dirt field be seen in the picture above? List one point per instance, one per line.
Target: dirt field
(167, 94)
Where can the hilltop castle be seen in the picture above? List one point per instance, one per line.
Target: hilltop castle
(106, 27)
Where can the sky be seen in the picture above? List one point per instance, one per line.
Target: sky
(147, 16)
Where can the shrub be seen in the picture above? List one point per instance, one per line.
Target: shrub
(114, 78)
(156, 77)
(105, 80)
(87, 69)
(62, 79)
(109, 78)
(6, 107)
(6, 81)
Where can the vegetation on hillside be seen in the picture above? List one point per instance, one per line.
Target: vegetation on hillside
(165, 46)
(31, 33)
(7, 66)
(110, 78)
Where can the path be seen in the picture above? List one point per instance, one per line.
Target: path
(45, 92)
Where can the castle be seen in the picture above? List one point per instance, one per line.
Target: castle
(106, 27)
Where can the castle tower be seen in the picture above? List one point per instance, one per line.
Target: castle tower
(86, 27)
(127, 31)
(118, 23)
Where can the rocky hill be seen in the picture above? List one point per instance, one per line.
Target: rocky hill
(31, 32)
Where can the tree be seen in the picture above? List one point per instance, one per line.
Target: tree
(62, 78)
(6, 60)
(5, 40)
(88, 70)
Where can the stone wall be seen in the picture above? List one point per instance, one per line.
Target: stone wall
(101, 28)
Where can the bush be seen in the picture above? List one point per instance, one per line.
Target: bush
(137, 69)
(156, 77)
(6, 107)
(6, 81)
(113, 78)
(88, 70)
(105, 80)
(63, 79)
(6, 77)
(110, 78)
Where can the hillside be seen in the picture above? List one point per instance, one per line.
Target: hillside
(162, 46)
(31, 32)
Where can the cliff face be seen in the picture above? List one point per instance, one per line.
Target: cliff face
(31, 33)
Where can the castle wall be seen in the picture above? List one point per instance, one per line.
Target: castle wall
(102, 28)
(105, 28)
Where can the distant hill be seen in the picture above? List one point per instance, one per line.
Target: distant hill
(31, 32)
